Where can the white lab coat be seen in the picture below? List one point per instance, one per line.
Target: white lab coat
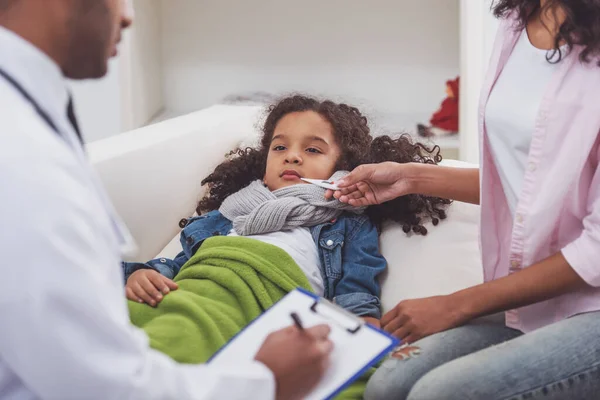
(64, 324)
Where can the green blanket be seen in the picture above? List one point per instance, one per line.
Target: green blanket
(228, 282)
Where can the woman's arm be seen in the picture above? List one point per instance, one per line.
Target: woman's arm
(547, 279)
(574, 267)
(460, 184)
(412, 320)
(377, 183)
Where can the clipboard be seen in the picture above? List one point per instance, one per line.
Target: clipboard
(357, 345)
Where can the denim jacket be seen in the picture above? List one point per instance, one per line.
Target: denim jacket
(348, 249)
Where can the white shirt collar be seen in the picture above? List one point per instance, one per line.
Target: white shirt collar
(36, 72)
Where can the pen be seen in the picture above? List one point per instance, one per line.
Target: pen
(297, 321)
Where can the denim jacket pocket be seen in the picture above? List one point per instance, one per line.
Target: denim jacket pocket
(331, 245)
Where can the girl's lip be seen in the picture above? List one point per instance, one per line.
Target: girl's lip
(290, 177)
(290, 174)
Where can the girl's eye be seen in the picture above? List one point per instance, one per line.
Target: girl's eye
(279, 148)
(313, 150)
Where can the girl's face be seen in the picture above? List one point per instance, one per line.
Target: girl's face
(303, 146)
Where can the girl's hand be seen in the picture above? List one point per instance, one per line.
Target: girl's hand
(375, 184)
(412, 320)
(148, 286)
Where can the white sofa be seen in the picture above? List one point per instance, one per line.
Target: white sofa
(153, 176)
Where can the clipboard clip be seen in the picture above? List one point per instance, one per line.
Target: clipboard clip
(338, 315)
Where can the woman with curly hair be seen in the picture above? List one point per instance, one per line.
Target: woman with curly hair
(258, 193)
(539, 190)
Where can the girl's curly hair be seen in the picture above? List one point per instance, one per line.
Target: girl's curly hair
(581, 26)
(357, 146)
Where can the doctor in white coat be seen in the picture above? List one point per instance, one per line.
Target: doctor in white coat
(64, 325)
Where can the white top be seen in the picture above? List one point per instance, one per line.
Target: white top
(511, 113)
(65, 325)
(299, 244)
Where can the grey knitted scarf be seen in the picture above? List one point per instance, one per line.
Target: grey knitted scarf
(255, 209)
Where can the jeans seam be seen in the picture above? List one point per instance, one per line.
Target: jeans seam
(593, 367)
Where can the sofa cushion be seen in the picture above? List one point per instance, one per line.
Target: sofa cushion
(445, 260)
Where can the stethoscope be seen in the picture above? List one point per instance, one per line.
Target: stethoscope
(127, 243)
(39, 110)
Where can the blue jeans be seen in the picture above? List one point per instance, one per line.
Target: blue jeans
(488, 361)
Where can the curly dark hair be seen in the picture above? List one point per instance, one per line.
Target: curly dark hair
(581, 26)
(352, 134)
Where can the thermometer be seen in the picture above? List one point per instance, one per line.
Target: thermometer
(322, 183)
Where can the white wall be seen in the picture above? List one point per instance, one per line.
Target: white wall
(131, 94)
(98, 105)
(387, 56)
(477, 31)
(145, 63)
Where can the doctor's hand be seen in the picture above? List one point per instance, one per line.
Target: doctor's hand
(148, 286)
(298, 359)
(371, 184)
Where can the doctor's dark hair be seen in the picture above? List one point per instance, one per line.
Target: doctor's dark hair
(580, 28)
(352, 134)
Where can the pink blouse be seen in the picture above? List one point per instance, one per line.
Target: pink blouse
(559, 205)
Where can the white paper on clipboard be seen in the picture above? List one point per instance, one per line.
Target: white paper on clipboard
(357, 346)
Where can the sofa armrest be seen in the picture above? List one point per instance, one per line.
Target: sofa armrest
(153, 174)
